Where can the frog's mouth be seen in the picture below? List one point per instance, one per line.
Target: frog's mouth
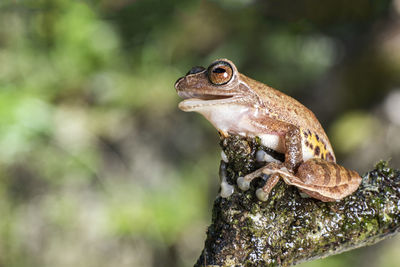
(202, 96)
(197, 93)
(194, 101)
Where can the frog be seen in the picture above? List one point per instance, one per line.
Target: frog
(238, 105)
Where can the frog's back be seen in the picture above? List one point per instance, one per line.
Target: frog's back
(284, 108)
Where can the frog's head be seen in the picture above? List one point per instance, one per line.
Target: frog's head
(219, 84)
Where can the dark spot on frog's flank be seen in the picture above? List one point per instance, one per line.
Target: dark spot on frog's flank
(305, 134)
(307, 143)
(329, 156)
(317, 151)
(311, 146)
(324, 146)
(323, 156)
(309, 132)
(316, 136)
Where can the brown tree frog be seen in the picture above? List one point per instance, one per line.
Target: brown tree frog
(236, 104)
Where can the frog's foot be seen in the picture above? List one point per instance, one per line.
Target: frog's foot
(274, 171)
(275, 174)
(226, 189)
(262, 193)
(244, 182)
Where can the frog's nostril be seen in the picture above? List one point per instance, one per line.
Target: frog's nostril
(195, 70)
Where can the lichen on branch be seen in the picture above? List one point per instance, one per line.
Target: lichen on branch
(288, 228)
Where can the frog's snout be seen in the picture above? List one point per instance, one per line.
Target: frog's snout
(195, 70)
(177, 82)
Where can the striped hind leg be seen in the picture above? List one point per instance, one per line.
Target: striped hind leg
(320, 179)
(323, 180)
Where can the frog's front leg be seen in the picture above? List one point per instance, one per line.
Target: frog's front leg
(293, 158)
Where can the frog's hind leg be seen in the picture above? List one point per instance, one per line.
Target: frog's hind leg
(326, 181)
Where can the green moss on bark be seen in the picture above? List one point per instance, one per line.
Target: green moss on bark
(288, 228)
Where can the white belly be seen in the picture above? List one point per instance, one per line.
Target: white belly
(229, 118)
(273, 141)
(235, 119)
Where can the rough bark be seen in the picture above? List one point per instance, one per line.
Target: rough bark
(288, 229)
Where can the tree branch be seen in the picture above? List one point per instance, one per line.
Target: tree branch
(288, 229)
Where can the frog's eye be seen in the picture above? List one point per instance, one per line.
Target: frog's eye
(220, 73)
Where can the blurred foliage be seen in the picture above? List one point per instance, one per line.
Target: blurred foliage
(352, 130)
(97, 165)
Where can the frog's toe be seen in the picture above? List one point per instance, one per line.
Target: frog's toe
(243, 183)
(261, 194)
(226, 190)
(224, 157)
(262, 156)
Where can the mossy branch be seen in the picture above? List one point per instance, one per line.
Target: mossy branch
(288, 229)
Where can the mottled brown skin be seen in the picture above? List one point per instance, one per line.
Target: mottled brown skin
(259, 110)
(284, 108)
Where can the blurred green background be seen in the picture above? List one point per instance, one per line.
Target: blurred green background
(98, 167)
